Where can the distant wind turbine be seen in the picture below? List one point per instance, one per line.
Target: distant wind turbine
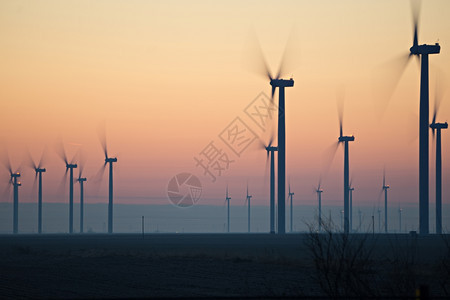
(69, 167)
(291, 208)
(38, 171)
(110, 161)
(351, 189)
(14, 181)
(385, 188)
(271, 155)
(247, 200)
(319, 192)
(81, 180)
(227, 200)
(436, 130)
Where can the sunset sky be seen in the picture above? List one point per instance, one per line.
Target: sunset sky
(168, 77)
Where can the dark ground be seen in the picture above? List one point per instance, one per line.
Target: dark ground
(191, 265)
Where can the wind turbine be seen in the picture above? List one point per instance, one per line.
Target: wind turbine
(291, 211)
(351, 189)
(421, 52)
(438, 127)
(281, 84)
(345, 140)
(319, 192)
(69, 167)
(247, 200)
(81, 180)
(14, 180)
(400, 220)
(227, 200)
(385, 189)
(110, 161)
(271, 153)
(39, 170)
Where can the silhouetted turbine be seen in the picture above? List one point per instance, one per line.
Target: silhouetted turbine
(385, 188)
(38, 170)
(281, 84)
(81, 180)
(227, 200)
(247, 200)
(110, 161)
(438, 127)
(345, 140)
(319, 192)
(69, 167)
(351, 189)
(291, 208)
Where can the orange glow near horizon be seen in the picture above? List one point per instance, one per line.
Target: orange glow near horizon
(168, 76)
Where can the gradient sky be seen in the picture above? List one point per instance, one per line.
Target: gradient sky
(166, 77)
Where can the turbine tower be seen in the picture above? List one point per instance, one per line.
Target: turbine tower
(345, 140)
(291, 211)
(81, 180)
(110, 161)
(247, 200)
(385, 189)
(400, 220)
(319, 192)
(227, 200)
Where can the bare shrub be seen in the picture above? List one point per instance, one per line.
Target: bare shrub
(343, 264)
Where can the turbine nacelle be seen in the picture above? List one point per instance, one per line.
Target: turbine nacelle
(15, 175)
(282, 83)
(439, 125)
(40, 170)
(346, 139)
(110, 160)
(385, 187)
(81, 179)
(425, 49)
(271, 148)
(71, 166)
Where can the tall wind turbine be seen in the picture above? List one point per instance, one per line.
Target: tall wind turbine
(281, 84)
(227, 200)
(69, 167)
(319, 192)
(247, 200)
(421, 52)
(345, 140)
(291, 211)
(81, 180)
(436, 129)
(385, 189)
(351, 189)
(110, 161)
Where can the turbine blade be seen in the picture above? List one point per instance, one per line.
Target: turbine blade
(102, 138)
(273, 93)
(254, 59)
(29, 161)
(44, 157)
(328, 157)
(385, 80)
(340, 98)
(289, 59)
(59, 148)
(415, 9)
(5, 159)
